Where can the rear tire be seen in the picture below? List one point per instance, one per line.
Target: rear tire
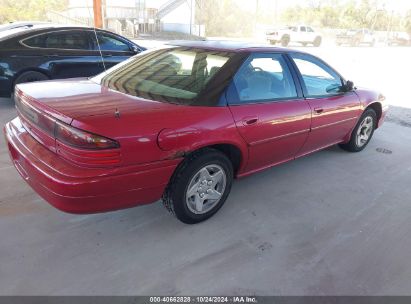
(362, 133)
(285, 41)
(317, 41)
(30, 76)
(199, 187)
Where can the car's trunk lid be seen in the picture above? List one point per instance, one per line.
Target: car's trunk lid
(79, 98)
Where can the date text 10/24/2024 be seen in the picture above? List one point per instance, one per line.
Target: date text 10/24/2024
(205, 299)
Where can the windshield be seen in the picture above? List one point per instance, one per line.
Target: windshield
(176, 75)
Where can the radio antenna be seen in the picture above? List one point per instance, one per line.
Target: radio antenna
(98, 42)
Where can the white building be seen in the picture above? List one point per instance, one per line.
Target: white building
(144, 16)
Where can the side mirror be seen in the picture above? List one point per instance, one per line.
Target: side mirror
(349, 86)
(135, 49)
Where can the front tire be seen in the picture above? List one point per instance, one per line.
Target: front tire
(199, 187)
(317, 41)
(362, 133)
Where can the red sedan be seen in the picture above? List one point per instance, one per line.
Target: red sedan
(180, 123)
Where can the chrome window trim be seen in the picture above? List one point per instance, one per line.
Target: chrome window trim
(64, 30)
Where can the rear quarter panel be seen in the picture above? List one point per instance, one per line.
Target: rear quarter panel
(167, 132)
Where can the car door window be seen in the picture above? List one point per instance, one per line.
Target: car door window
(303, 29)
(309, 29)
(319, 79)
(109, 43)
(264, 78)
(214, 63)
(60, 40)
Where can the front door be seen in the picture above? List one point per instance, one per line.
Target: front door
(334, 112)
(112, 49)
(269, 111)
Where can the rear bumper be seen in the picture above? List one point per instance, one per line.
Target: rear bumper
(76, 189)
(272, 38)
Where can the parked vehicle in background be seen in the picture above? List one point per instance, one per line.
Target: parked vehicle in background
(399, 38)
(20, 24)
(180, 123)
(302, 34)
(356, 37)
(44, 52)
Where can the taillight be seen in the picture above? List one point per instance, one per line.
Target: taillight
(83, 140)
(78, 146)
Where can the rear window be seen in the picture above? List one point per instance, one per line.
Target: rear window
(176, 75)
(11, 32)
(60, 40)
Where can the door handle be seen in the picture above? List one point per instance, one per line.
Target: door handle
(318, 111)
(249, 121)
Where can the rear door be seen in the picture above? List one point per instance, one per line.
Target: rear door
(67, 53)
(269, 110)
(334, 112)
(302, 34)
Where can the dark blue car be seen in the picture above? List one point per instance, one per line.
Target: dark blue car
(54, 52)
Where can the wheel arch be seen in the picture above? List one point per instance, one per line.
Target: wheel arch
(29, 69)
(236, 154)
(285, 36)
(377, 107)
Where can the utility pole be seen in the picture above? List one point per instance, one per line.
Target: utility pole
(98, 19)
(191, 17)
(256, 16)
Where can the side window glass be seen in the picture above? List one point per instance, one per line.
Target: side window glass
(214, 63)
(36, 41)
(108, 43)
(309, 29)
(319, 79)
(67, 40)
(303, 29)
(264, 78)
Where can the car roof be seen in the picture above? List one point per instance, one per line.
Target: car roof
(231, 46)
(11, 25)
(24, 32)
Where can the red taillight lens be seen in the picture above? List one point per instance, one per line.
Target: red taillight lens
(80, 139)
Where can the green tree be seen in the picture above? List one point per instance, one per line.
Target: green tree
(407, 25)
(20, 10)
(225, 18)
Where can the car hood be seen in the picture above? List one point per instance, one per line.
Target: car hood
(80, 97)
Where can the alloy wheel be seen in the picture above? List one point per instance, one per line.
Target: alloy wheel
(206, 189)
(364, 131)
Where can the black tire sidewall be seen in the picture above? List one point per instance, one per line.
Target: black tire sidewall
(285, 41)
(182, 179)
(353, 140)
(37, 76)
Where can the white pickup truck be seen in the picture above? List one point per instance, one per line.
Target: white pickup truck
(302, 34)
